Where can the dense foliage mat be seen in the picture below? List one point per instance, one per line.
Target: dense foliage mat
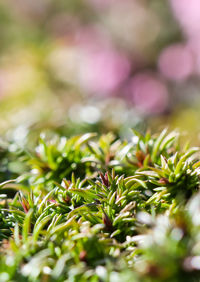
(92, 208)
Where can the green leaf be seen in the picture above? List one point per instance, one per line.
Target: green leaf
(27, 225)
(156, 147)
(37, 229)
(63, 226)
(182, 160)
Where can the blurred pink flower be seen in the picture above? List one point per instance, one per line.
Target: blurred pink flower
(194, 45)
(187, 13)
(91, 37)
(103, 70)
(148, 93)
(176, 62)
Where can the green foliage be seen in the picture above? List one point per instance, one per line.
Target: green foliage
(102, 209)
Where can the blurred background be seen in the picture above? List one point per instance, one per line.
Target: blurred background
(98, 65)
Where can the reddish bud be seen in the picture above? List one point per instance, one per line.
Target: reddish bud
(140, 156)
(25, 204)
(104, 179)
(67, 199)
(107, 222)
(164, 181)
(83, 256)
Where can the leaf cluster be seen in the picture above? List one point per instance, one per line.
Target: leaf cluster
(91, 208)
